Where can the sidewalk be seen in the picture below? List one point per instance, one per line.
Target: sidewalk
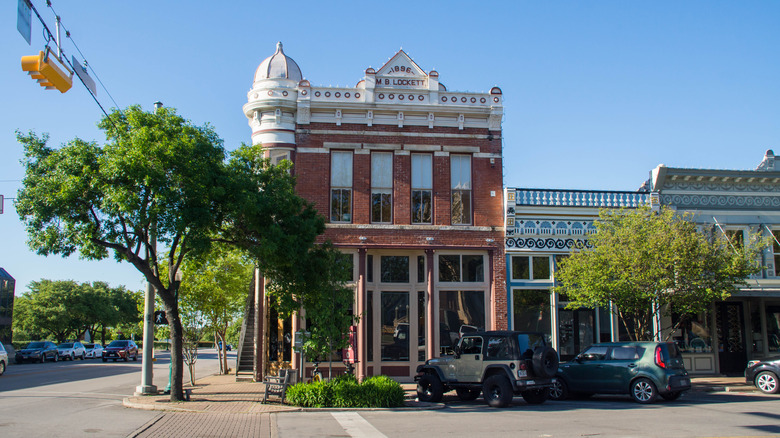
(222, 394)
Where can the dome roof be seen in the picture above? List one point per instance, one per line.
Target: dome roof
(278, 66)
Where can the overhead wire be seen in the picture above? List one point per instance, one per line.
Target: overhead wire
(48, 36)
(86, 64)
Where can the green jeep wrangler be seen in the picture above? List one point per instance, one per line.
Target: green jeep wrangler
(498, 364)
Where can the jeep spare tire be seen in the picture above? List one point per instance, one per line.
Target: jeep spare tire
(545, 362)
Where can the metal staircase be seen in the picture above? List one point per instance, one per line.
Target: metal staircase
(245, 359)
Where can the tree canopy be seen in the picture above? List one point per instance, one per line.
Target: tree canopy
(159, 179)
(216, 287)
(645, 262)
(65, 309)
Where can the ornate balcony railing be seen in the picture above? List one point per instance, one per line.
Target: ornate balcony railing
(579, 198)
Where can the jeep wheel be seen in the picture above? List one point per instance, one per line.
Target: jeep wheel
(545, 361)
(536, 396)
(643, 391)
(467, 394)
(429, 389)
(559, 390)
(497, 391)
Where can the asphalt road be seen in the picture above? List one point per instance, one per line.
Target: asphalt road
(81, 398)
(694, 415)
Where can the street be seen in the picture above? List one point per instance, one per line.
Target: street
(74, 399)
(695, 414)
(82, 398)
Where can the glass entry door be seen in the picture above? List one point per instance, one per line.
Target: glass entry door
(732, 356)
(576, 331)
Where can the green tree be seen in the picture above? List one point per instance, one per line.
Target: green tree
(49, 309)
(647, 262)
(216, 285)
(161, 179)
(66, 309)
(157, 178)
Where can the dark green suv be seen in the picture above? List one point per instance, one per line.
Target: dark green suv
(644, 370)
(498, 364)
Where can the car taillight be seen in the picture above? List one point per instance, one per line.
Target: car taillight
(659, 357)
(523, 366)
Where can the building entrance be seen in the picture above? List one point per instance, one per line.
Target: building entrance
(732, 356)
(576, 330)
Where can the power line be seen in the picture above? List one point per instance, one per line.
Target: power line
(86, 64)
(48, 36)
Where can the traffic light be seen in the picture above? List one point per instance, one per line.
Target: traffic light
(48, 70)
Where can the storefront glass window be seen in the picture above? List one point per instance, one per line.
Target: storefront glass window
(421, 269)
(456, 309)
(467, 268)
(521, 268)
(694, 333)
(370, 326)
(541, 268)
(532, 311)
(395, 269)
(395, 326)
(773, 328)
(449, 268)
(421, 326)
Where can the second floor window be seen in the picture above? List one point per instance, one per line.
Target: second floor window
(381, 187)
(341, 186)
(422, 188)
(460, 174)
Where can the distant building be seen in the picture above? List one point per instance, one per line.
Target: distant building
(7, 286)
(409, 177)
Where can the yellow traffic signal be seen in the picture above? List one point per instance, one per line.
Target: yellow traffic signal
(48, 71)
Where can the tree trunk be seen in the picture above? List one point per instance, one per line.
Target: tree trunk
(177, 362)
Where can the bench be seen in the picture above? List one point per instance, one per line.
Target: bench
(277, 385)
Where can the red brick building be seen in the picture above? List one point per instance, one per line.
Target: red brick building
(409, 177)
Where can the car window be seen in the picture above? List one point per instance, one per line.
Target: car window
(497, 348)
(624, 353)
(117, 344)
(35, 345)
(68, 345)
(594, 353)
(471, 345)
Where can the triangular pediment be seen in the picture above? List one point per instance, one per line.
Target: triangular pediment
(401, 65)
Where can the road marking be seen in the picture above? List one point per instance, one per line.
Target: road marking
(357, 426)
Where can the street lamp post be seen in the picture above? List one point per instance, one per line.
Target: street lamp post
(147, 386)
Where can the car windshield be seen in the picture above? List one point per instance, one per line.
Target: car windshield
(118, 344)
(88, 346)
(65, 345)
(35, 345)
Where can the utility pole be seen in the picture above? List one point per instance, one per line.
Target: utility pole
(147, 386)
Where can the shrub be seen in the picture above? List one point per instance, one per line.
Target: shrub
(346, 392)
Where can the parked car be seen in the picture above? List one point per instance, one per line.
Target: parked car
(763, 373)
(38, 352)
(497, 364)
(124, 349)
(228, 347)
(71, 350)
(644, 370)
(94, 351)
(3, 359)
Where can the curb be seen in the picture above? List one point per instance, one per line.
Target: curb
(409, 406)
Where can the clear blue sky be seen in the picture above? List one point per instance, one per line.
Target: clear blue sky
(597, 93)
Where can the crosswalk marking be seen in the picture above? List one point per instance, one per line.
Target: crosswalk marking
(357, 426)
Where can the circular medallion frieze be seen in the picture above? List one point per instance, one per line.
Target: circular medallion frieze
(337, 94)
(317, 93)
(327, 94)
